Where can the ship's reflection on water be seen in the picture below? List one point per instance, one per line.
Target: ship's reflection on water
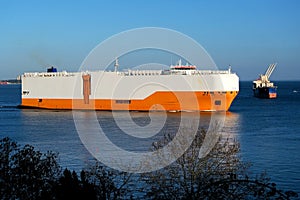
(129, 130)
(107, 135)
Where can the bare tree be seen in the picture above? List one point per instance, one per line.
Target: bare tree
(219, 175)
(108, 183)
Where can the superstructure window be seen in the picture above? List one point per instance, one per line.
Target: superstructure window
(123, 101)
(218, 102)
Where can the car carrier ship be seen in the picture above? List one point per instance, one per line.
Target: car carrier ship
(180, 88)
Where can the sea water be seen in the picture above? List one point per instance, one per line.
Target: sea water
(268, 130)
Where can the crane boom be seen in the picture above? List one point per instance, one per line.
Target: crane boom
(270, 70)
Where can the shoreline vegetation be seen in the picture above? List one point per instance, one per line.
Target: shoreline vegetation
(26, 173)
(9, 82)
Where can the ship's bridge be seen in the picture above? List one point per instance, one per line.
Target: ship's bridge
(183, 69)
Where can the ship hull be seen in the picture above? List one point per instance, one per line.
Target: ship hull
(265, 92)
(116, 91)
(169, 101)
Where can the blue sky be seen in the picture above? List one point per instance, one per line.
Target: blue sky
(248, 35)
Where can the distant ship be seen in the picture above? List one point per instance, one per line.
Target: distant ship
(180, 88)
(3, 82)
(263, 87)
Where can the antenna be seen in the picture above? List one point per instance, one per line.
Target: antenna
(179, 62)
(116, 64)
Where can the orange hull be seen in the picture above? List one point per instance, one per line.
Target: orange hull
(170, 101)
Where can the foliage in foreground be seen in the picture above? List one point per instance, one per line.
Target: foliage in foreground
(26, 173)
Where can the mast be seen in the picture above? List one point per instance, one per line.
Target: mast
(116, 64)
